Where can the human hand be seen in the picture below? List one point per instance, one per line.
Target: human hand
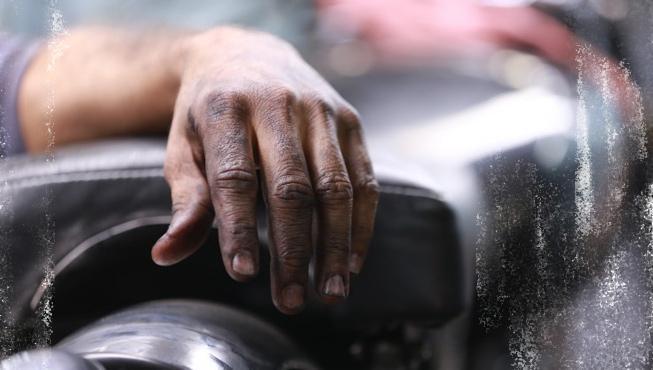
(401, 31)
(248, 101)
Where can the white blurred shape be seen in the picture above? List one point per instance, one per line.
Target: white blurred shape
(613, 10)
(351, 59)
(499, 124)
(550, 151)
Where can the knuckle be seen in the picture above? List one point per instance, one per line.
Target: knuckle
(197, 204)
(336, 248)
(294, 258)
(317, 106)
(276, 95)
(238, 229)
(347, 113)
(334, 187)
(350, 119)
(274, 104)
(235, 178)
(179, 205)
(296, 192)
(369, 188)
(217, 105)
(198, 213)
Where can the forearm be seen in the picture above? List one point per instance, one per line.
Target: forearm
(100, 82)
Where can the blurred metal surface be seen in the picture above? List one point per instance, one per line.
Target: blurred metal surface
(182, 334)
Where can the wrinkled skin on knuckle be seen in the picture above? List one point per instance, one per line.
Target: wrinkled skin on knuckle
(240, 228)
(294, 259)
(349, 122)
(189, 207)
(274, 106)
(274, 95)
(334, 188)
(229, 143)
(292, 192)
(335, 246)
(368, 188)
(317, 106)
(179, 204)
(236, 229)
(348, 114)
(188, 194)
(238, 178)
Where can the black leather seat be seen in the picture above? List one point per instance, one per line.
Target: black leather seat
(94, 213)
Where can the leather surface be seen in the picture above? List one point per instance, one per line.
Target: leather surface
(94, 213)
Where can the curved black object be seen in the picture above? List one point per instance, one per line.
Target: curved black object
(170, 335)
(181, 334)
(108, 202)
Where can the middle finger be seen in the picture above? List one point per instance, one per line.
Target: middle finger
(289, 196)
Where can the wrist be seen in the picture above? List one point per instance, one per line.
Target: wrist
(179, 55)
(224, 46)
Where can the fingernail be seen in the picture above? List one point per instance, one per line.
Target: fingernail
(158, 256)
(335, 287)
(243, 264)
(355, 263)
(292, 296)
(160, 262)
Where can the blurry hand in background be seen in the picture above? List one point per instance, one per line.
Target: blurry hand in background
(417, 29)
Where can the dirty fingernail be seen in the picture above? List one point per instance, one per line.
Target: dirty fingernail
(243, 264)
(292, 296)
(335, 286)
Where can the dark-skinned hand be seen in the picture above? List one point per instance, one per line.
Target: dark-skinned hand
(252, 116)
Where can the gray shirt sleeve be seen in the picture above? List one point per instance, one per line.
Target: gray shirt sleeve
(15, 55)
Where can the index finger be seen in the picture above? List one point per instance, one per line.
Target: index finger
(231, 175)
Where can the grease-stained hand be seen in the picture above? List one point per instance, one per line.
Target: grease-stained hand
(252, 116)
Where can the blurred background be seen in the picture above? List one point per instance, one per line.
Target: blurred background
(529, 117)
